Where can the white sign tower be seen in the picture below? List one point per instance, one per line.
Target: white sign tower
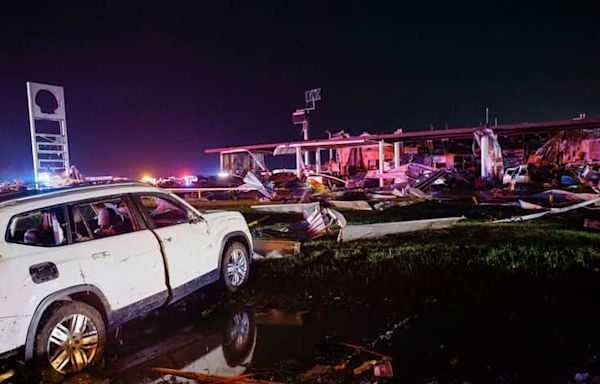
(49, 144)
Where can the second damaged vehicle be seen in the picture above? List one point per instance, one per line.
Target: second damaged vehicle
(76, 263)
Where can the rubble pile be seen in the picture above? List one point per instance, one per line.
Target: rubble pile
(560, 177)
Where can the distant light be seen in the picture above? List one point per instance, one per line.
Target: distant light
(223, 174)
(43, 176)
(148, 179)
(189, 180)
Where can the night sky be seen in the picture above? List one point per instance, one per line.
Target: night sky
(150, 85)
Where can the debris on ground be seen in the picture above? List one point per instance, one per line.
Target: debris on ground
(316, 372)
(591, 224)
(551, 211)
(274, 249)
(383, 369)
(317, 223)
(359, 205)
(6, 375)
(257, 221)
(211, 379)
(286, 208)
(374, 231)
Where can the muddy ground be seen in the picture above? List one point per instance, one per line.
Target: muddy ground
(478, 303)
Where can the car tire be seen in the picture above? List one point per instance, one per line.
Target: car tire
(71, 338)
(235, 266)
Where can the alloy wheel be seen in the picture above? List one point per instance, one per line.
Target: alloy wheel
(72, 344)
(237, 267)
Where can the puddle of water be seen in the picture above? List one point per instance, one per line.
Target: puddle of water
(499, 343)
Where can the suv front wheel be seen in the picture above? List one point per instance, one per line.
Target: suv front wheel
(71, 338)
(235, 266)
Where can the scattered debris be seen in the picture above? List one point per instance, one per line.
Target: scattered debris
(317, 222)
(253, 182)
(275, 249)
(383, 369)
(591, 224)
(491, 154)
(6, 375)
(320, 222)
(359, 205)
(316, 372)
(367, 365)
(257, 221)
(553, 194)
(286, 208)
(362, 349)
(383, 205)
(526, 205)
(550, 211)
(211, 379)
(373, 231)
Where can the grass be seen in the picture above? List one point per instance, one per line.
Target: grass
(551, 249)
(474, 250)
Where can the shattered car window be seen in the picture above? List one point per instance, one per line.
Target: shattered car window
(100, 219)
(164, 212)
(43, 228)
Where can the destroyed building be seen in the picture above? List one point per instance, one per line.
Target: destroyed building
(497, 147)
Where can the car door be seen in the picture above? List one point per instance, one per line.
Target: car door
(42, 260)
(120, 255)
(185, 239)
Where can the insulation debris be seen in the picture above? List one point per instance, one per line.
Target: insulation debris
(550, 211)
(373, 231)
(286, 208)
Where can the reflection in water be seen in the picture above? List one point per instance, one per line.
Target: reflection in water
(494, 342)
(223, 346)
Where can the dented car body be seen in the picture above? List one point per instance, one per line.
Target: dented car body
(78, 262)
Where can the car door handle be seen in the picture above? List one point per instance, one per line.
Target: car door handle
(168, 239)
(100, 255)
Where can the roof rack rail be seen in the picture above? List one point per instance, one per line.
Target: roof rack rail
(14, 197)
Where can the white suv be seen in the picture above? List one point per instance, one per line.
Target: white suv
(78, 262)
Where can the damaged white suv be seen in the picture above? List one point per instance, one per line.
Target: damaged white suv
(76, 263)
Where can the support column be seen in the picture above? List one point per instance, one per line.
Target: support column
(485, 150)
(299, 164)
(381, 161)
(318, 160)
(397, 154)
(305, 129)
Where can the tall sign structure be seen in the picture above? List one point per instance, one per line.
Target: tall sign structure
(48, 125)
(300, 116)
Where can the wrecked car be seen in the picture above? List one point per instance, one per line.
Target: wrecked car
(77, 262)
